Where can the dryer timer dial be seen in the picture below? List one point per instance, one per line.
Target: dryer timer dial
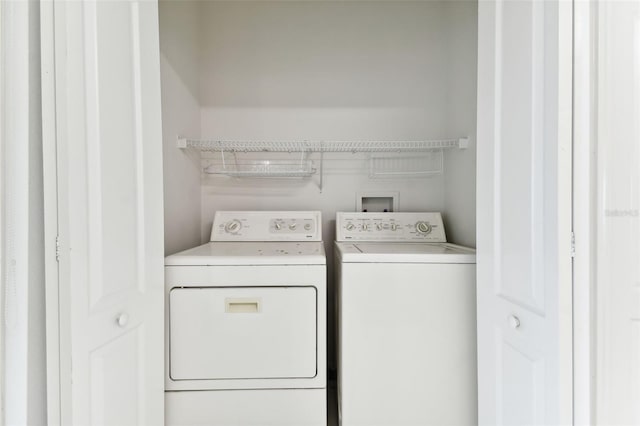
(233, 226)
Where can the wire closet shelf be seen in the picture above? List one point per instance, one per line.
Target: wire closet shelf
(304, 168)
(321, 146)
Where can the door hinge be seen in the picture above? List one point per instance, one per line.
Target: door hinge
(573, 244)
(57, 248)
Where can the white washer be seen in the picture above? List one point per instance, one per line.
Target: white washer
(246, 323)
(406, 307)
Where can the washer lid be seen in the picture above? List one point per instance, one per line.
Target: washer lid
(250, 253)
(404, 253)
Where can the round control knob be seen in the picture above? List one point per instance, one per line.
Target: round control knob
(278, 226)
(233, 226)
(379, 226)
(350, 226)
(365, 227)
(293, 226)
(394, 227)
(423, 227)
(307, 226)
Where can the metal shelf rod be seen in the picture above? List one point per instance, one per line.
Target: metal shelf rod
(322, 146)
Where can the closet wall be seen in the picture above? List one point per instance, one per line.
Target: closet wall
(179, 69)
(322, 71)
(460, 165)
(282, 70)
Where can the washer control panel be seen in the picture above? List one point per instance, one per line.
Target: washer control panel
(267, 226)
(409, 227)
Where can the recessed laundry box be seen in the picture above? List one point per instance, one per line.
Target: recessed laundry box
(243, 333)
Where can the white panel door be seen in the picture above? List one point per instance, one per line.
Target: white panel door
(524, 256)
(101, 91)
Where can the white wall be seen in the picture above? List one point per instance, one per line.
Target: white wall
(180, 116)
(460, 165)
(344, 70)
(23, 348)
(317, 70)
(323, 70)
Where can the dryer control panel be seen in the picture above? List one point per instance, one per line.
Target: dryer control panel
(406, 227)
(267, 226)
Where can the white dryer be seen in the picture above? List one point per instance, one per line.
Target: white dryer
(246, 323)
(406, 307)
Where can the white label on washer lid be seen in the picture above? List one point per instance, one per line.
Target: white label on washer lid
(402, 227)
(267, 226)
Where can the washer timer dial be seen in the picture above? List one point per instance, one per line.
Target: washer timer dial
(423, 227)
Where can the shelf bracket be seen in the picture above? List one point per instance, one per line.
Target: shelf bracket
(321, 168)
